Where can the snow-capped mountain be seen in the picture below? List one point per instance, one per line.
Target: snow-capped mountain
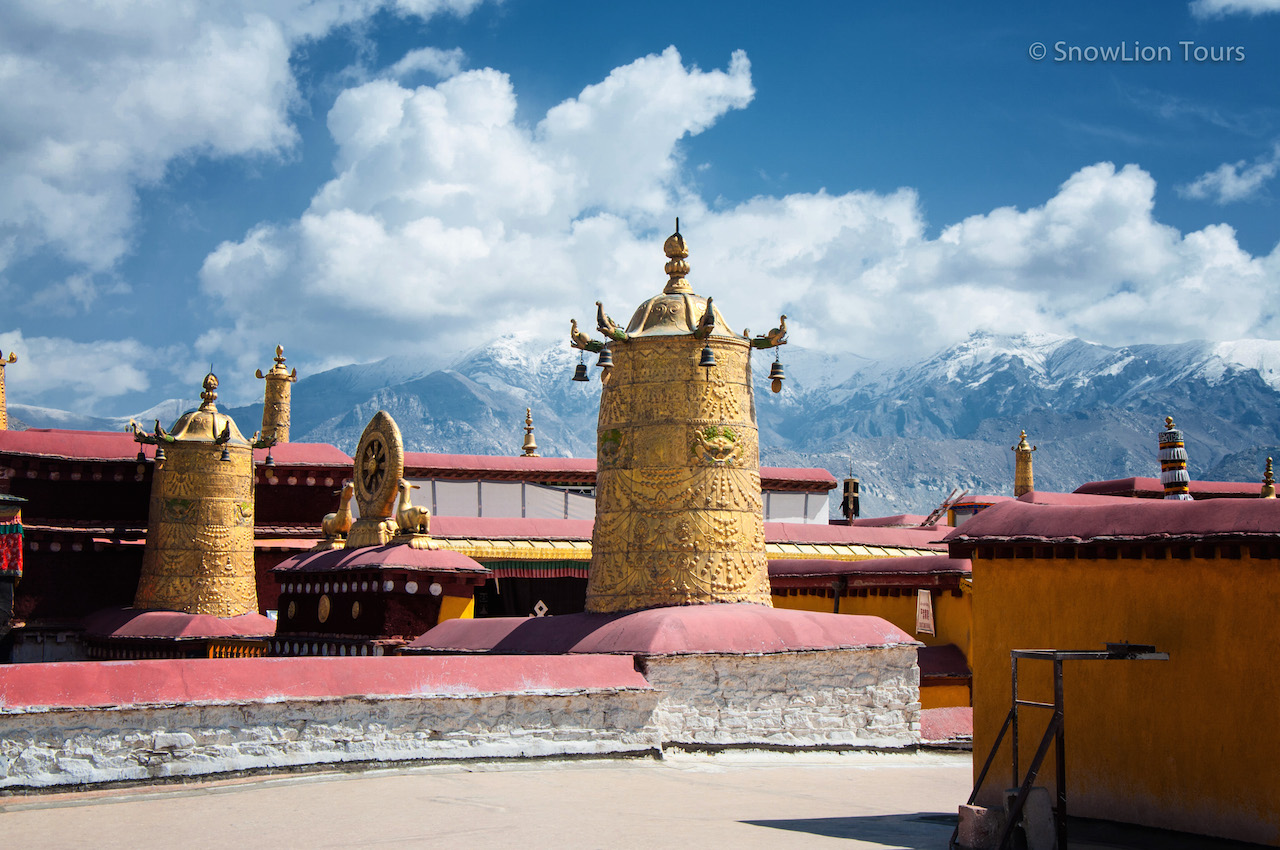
(910, 432)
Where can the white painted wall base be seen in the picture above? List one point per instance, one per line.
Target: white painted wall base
(827, 699)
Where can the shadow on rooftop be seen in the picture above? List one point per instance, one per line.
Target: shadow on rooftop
(914, 831)
(931, 830)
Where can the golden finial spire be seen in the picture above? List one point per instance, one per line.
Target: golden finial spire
(276, 398)
(677, 266)
(4, 406)
(1023, 477)
(530, 447)
(1268, 483)
(210, 394)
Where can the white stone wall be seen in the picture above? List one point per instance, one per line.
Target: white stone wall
(834, 698)
(41, 748)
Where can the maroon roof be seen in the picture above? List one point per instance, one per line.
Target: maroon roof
(818, 567)
(391, 556)
(737, 629)
(518, 528)
(1045, 497)
(896, 521)
(238, 680)
(784, 478)
(1151, 488)
(120, 445)
(72, 445)
(578, 470)
(136, 623)
(1132, 520)
(816, 532)
(971, 500)
(950, 724)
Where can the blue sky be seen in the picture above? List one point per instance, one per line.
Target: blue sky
(191, 183)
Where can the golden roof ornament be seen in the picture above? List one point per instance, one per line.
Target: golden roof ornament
(1023, 477)
(379, 467)
(530, 447)
(4, 406)
(276, 398)
(679, 517)
(678, 263)
(198, 556)
(337, 525)
(1268, 483)
(413, 522)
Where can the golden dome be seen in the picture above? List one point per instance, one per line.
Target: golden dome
(678, 310)
(205, 424)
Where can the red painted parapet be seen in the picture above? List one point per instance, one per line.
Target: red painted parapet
(175, 682)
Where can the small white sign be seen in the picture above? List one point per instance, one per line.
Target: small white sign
(924, 612)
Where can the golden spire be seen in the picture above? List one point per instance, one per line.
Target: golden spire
(275, 400)
(210, 394)
(1023, 477)
(4, 407)
(677, 266)
(678, 407)
(530, 446)
(1268, 483)
(198, 556)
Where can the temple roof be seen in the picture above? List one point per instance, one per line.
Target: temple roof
(140, 624)
(824, 567)
(1136, 520)
(728, 628)
(1151, 488)
(71, 445)
(391, 556)
(120, 446)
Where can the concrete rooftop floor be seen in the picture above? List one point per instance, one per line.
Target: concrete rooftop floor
(739, 799)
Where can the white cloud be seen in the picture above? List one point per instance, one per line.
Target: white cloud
(99, 98)
(1219, 8)
(449, 222)
(642, 110)
(93, 371)
(449, 219)
(430, 60)
(77, 293)
(1237, 181)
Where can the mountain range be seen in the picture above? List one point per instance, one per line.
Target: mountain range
(910, 432)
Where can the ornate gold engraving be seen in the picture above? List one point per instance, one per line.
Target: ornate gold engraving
(275, 402)
(678, 507)
(199, 553)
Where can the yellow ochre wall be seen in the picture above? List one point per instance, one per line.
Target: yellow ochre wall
(952, 617)
(456, 608)
(1189, 744)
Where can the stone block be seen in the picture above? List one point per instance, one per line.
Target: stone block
(979, 827)
(1037, 818)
